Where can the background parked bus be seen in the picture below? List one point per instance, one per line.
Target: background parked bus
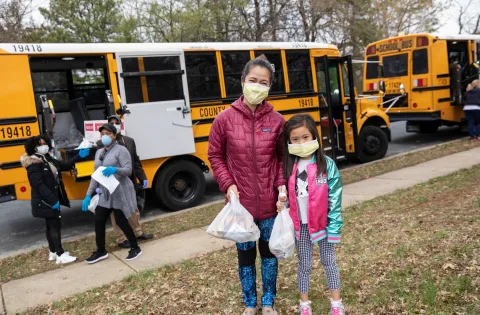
(434, 71)
(170, 95)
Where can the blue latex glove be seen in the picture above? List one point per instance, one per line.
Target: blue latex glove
(145, 184)
(86, 203)
(56, 206)
(109, 170)
(84, 153)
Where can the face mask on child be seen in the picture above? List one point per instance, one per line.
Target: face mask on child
(303, 149)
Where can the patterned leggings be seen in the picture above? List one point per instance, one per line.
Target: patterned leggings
(247, 253)
(305, 260)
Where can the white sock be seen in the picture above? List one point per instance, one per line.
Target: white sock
(336, 303)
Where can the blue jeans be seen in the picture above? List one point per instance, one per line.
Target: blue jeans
(247, 254)
(473, 120)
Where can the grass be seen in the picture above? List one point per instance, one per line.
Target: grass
(33, 262)
(399, 255)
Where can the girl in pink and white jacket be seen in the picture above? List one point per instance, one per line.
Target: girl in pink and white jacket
(315, 198)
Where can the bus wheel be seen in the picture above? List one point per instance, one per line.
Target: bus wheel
(372, 144)
(429, 127)
(180, 185)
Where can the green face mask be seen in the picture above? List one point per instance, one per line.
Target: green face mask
(303, 149)
(255, 93)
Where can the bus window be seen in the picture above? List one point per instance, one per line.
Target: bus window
(420, 61)
(275, 58)
(202, 75)
(395, 66)
(54, 85)
(159, 87)
(90, 84)
(372, 68)
(299, 71)
(233, 63)
(346, 83)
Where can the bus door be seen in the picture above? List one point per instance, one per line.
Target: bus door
(331, 107)
(154, 93)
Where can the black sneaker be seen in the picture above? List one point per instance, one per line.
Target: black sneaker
(145, 237)
(124, 244)
(134, 253)
(96, 257)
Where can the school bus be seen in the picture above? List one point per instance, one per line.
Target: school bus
(169, 95)
(425, 77)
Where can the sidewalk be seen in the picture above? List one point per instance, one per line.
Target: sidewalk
(18, 295)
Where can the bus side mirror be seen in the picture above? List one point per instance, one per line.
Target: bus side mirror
(382, 86)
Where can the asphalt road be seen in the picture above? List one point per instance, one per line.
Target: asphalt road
(20, 231)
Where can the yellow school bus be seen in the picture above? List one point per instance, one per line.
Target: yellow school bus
(425, 77)
(169, 95)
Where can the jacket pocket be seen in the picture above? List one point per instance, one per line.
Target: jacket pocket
(41, 209)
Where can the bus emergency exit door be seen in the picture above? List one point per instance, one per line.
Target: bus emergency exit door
(153, 86)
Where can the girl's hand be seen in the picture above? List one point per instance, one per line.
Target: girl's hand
(280, 206)
(232, 189)
(282, 193)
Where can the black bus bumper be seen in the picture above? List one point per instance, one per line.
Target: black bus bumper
(417, 116)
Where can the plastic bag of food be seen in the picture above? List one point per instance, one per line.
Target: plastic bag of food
(84, 145)
(282, 239)
(234, 223)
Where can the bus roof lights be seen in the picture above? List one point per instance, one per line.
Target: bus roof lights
(422, 41)
(372, 50)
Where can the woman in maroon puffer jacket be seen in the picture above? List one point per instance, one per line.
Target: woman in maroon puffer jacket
(245, 151)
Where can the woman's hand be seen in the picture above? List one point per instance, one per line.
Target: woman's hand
(109, 170)
(232, 189)
(280, 206)
(86, 203)
(84, 153)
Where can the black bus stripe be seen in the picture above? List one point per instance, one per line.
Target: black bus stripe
(10, 165)
(444, 75)
(10, 143)
(18, 120)
(230, 100)
(444, 100)
(431, 88)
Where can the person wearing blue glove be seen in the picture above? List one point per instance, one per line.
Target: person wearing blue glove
(48, 191)
(122, 202)
(138, 174)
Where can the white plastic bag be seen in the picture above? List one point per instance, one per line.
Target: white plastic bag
(282, 239)
(93, 203)
(234, 223)
(84, 145)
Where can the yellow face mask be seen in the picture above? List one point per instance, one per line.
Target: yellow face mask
(303, 149)
(255, 93)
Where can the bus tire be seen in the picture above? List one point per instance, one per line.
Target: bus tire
(429, 127)
(372, 144)
(180, 185)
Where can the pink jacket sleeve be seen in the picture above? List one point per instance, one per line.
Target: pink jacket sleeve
(217, 148)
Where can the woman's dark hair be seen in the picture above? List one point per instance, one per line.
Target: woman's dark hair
(34, 142)
(297, 121)
(260, 61)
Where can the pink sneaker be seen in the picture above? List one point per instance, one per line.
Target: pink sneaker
(305, 308)
(337, 308)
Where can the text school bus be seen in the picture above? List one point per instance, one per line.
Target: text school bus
(170, 95)
(433, 70)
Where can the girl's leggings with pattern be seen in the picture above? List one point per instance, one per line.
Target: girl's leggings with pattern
(247, 254)
(305, 259)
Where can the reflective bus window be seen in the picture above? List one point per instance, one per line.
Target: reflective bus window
(420, 61)
(275, 58)
(395, 66)
(299, 71)
(161, 87)
(202, 75)
(372, 68)
(233, 63)
(54, 85)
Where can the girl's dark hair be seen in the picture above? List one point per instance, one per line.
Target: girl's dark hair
(297, 121)
(260, 61)
(34, 142)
